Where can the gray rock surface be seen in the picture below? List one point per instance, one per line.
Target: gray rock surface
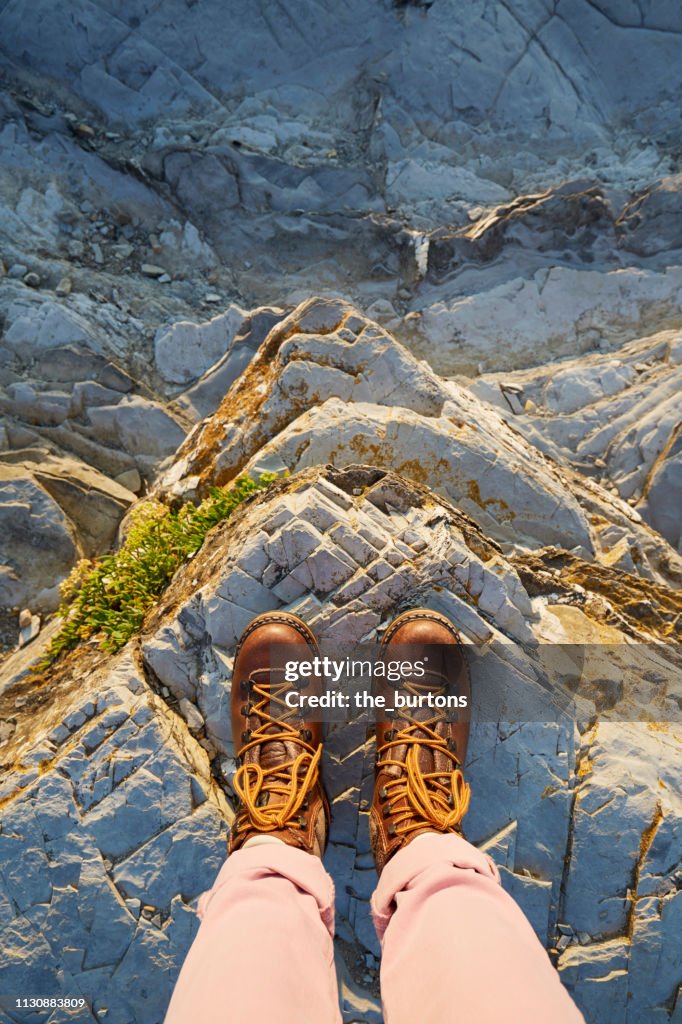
(458, 158)
(93, 503)
(346, 550)
(498, 187)
(329, 385)
(205, 396)
(107, 789)
(184, 351)
(615, 417)
(39, 546)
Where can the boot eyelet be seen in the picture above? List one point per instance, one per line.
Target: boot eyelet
(246, 710)
(388, 811)
(302, 823)
(304, 805)
(452, 745)
(246, 736)
(245, 685)
(306, 735)
(388, 736)
(391, 830)
(383, 793)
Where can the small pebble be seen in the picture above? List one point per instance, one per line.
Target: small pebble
(32, 280)
(212, 297)
(29, 631)
(64, 286)
(130, 479)
(17, 270)
(85, 131)
(25, 617)
(191, 715)
(151, 270)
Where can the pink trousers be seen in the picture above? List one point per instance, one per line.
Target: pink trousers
(455, 946)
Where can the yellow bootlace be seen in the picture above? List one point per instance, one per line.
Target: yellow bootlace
(430, 801)
(291, 780)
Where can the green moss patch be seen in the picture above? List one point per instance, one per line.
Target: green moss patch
(107, 598)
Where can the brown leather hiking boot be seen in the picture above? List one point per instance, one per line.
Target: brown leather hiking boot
(419, 786)
(278, 781)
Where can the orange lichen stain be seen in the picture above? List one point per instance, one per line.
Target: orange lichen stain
(584, 768)
(364, 449)
(634, 602)
(474, 494)
(242, 402)
(473, 598)
(413, 469)
(649, 832)
(548, 791)
(645, 843)
(658, 727)
(5, 800)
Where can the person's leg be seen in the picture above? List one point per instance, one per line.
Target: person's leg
(264, 951)
(455, 945)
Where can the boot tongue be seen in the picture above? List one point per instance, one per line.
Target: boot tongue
(430, 759)
(272, 754)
